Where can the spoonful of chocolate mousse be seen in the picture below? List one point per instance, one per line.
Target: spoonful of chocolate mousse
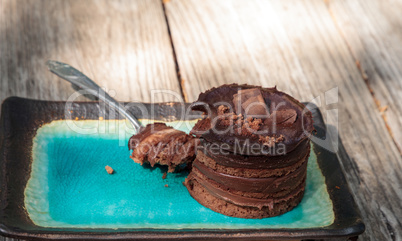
(155, 143)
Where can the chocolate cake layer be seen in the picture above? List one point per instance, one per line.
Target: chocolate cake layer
(249, 172)
(285, 120)
(242, 200)
(229, 159)
(269, 185)
(243, 208)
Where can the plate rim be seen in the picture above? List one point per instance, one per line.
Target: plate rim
(347, 221)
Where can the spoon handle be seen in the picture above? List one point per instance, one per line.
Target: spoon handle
(77, 78)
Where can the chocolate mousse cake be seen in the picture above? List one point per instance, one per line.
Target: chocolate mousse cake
(252, 159)
(161, 144)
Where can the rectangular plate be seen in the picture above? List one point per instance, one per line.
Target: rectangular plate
(54, 186)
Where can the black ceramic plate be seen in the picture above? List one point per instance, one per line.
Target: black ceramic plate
(22, 118)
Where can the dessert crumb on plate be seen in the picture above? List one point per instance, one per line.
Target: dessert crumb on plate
(109, 169)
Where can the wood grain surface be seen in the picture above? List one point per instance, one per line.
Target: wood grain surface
(297, 46)
(123, 45)
(343, 55)
(370, 30)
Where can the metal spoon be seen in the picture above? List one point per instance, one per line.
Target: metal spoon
(77, 78)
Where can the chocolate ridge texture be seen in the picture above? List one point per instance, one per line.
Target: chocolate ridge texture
(207, 199)
(230, 159)
(247, 184)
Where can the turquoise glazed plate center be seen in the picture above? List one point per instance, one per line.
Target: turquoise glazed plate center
(69, 187)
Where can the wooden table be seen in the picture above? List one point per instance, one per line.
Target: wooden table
(345, 55)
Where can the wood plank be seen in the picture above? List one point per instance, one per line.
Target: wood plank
(298, 47)
(372, 30)
(123, 45)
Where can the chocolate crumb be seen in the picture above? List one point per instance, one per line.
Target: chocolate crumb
(166, 185)
(164, 175)
(270, 141)
(254, 124)
(109, 169)
(222, 110)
